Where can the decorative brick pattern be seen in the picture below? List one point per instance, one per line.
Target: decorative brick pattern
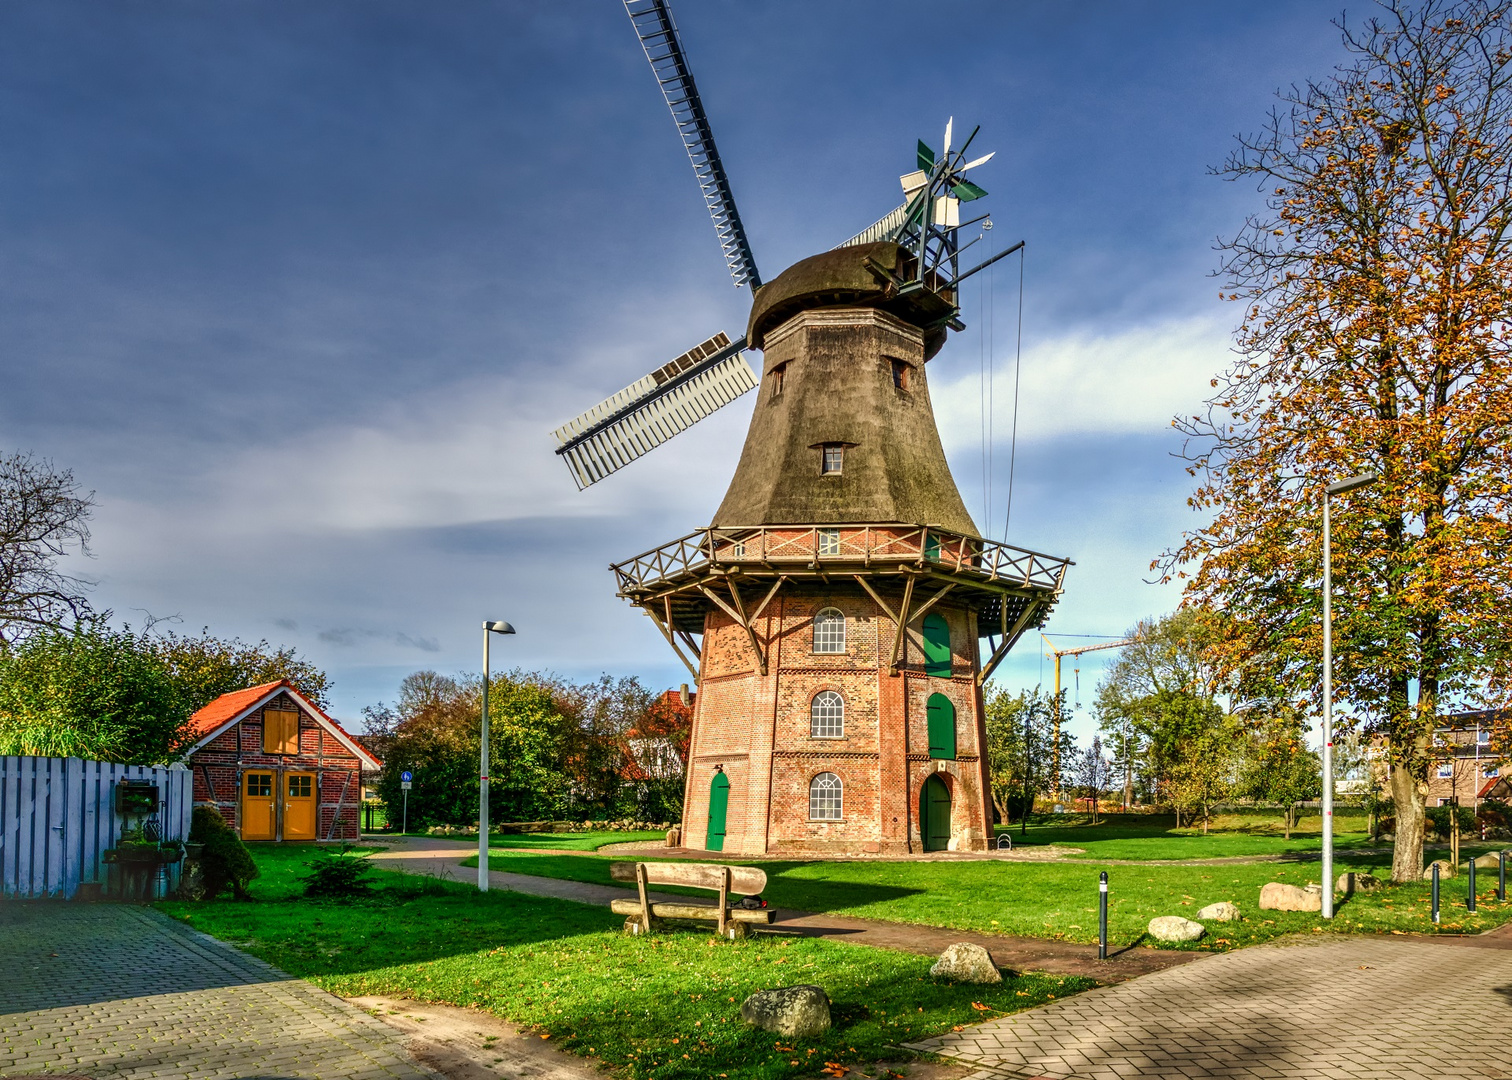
(756, 728)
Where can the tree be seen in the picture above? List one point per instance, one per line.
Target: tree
(1207, 771)
(90, 692)
(205, 667)
(43, 517)
(1161, 694)
(1094, 774)
(1377, 287)
(1021, 733)
(1280, 767)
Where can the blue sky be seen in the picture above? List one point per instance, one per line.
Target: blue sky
(300, 289)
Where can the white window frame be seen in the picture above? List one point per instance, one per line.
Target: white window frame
(827, 715)
(827, 798)
(827, 541)
(1491, 772)
(1445, 772)
(832, 459)
(827, 641)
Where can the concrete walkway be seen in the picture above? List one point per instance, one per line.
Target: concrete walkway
(441, 858)
(1351, 1008)
(112, 990)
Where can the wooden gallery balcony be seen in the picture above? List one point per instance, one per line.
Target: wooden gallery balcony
(906, 569)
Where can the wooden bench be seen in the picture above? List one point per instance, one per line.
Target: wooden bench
(725, 880)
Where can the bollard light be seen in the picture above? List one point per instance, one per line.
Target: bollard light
(1102, 916)
(1435, 892)
(1470, 900)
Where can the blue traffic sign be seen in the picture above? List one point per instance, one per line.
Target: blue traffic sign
(406, 776)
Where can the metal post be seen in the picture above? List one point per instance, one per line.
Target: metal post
(1470, 900)
(1102, 916)
(1328, 881)
(404, 821)
(483, 779)
(1501, 875)
(1435, 892)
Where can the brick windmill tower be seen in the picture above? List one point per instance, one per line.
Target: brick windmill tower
(842, 612)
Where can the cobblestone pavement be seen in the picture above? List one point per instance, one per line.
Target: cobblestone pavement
(1357, 1008)
(111, 990)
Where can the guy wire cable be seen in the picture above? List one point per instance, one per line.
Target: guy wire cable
(1018, 357)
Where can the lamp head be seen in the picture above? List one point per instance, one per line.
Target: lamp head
(1365, 479)
(499, 627)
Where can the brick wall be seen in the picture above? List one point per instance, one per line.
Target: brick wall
(219, 765)
(757, 727)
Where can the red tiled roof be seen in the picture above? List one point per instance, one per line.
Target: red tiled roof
(228, 707)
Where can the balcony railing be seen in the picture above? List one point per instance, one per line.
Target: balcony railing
(817, 546)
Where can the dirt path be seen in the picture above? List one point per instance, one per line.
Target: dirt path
(442, 858)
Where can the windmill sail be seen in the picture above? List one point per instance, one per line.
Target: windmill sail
(658, 36)
(651, 410)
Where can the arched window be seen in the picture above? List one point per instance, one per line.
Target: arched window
(827, 715)
(829, 631)
(942, 734)
(936, 646)
(826, 798)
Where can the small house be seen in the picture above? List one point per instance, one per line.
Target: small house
(277, 767)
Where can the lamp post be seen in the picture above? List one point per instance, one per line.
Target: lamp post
(1338, 487)
(488, 628)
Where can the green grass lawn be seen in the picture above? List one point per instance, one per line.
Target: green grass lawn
(1059, 900)
(1156, 837)
(579, 841)
(664, 1007)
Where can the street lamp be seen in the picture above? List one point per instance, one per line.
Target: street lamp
(488, 628)
(1338, 487)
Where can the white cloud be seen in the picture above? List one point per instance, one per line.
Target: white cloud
(1083, 383)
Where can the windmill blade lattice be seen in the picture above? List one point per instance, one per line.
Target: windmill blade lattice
(658, 36)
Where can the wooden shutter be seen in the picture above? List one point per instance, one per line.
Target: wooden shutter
(280, 731)
(942, 735)
(936, 646)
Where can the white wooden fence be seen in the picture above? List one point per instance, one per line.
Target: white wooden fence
(58, 814)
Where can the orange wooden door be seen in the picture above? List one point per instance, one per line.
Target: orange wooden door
(257, 817)
(299, 806)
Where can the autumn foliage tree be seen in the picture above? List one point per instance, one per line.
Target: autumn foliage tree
(1377, 288)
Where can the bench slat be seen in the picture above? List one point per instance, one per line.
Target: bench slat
(692, 910)
(744, 880)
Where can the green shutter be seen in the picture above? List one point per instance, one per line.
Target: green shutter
(934, 815)
(936, 646)
(719, 801)
(932, 547)
(942, 739)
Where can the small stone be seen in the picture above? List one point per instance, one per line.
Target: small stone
(1446, 869)
(964, 962)
(674, 836)
(1279, 896)
(794, 1012)
(1175, 928)
(1222, 911)
(1353, 882)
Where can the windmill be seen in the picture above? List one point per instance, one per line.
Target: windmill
(834, 611)
(674, 397)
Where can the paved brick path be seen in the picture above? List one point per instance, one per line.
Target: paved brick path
(111, 990)
(1354, 1008)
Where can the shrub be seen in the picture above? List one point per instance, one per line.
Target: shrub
(338, 874)
(1440, 819)
(226, 860)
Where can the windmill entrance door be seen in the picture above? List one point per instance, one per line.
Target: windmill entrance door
(299, 806)
(719, 803)
(934, 815)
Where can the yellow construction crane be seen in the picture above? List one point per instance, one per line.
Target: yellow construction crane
(1051, 650)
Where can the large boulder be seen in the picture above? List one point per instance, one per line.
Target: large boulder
(1279, 896)
(1175, 928)
(966, 963)
(1222, 911)
(1446, 869)
(1353, 881)
(794, 1012)
(1488, 861)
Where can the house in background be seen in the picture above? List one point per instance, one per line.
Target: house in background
(277, 767)
(1471, 753)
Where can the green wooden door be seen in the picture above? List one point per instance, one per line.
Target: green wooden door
(936, 646)
(942, 727)
(719, 802)
(934, 814)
